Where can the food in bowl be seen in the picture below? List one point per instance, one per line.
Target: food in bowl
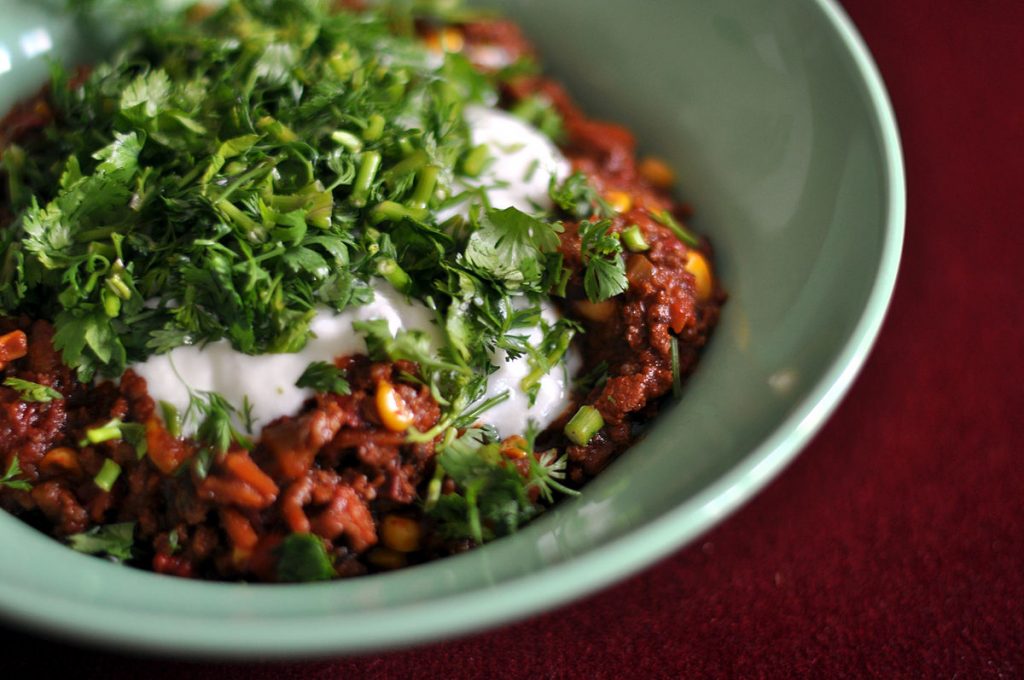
(293, 292)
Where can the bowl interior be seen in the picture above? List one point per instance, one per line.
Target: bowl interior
(783, 141)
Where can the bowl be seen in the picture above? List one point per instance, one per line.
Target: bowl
(782, 135)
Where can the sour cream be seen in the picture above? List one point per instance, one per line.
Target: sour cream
(523, 162)
(267, 381)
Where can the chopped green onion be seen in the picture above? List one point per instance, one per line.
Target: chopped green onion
(389, 211)
(473, 163)
(103, 433)
(107, 475)
(665, 218)
(277, 130)
(425, 183)
(368, 167)
(374, 128)
(434, 488)
(634, 240)
(117, 286)
(347, 140)
(584, 425)
(172, 419)
(111, 303)
(395, 275)
(677, 382)
(414, 160)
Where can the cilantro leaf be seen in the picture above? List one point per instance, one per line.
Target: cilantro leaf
(114, 540)
(577, 196)
(146, 95)
(601, 252)
(10, 478)
(31, 391)
(218, 418)
(492, 500)
(120, 157)
(508, 248)
(324, 377)
(302, 558)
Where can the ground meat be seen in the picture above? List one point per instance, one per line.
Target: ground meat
(320, 471)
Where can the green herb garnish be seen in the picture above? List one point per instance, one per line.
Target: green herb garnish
(32, 392)
(323, 377)
(10, 477)
(605, 274)
(113, 540)
(303, 558)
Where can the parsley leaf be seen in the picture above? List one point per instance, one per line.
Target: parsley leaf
(601, 252)
(323, 377)
(31, 391)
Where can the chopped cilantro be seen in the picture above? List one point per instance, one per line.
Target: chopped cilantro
(302, 558)
(509, 248)
(601, 251)
(113, 540)
(493, 498)
(10, 477)
(323, 377)
(577, 196)
(32, 392)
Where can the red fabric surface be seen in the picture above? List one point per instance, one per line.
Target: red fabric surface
(894, 545)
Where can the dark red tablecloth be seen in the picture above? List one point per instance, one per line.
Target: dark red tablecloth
(894, 545)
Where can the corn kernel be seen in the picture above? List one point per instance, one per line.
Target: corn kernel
(447, 39)
(401, 534)
(595, 311)
(386, 558)
(452, 40)
(697, 265)
(620, 201)
(657, 172)
(393, 411)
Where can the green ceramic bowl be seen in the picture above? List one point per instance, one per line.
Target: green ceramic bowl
(784, 141)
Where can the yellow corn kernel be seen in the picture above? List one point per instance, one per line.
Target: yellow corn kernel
(386, 558)
(401, 534)
(452, 40)
(448, 39)
(697, 265)
(240, 556)
(392, 409)
(657, 172)
(620, 201)
(595, 311)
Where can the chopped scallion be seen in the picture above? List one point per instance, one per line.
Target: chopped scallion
(634, 240)
(107, 475)
(665, 218)
(584, 425)
(103, 433)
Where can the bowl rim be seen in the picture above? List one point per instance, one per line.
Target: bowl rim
(522, 596)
